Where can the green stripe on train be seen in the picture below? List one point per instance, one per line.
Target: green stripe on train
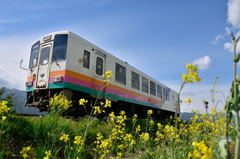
(96, 93)
(29, 89)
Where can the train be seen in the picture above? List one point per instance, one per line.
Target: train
(65, 62)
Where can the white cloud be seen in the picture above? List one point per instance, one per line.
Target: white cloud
(228, 46)
(228, 30)
(203, 62)
(198, 92)
(234, 13)
(12, 50)
(217, 38)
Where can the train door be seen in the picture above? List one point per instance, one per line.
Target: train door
(100, 66)
(43, 67)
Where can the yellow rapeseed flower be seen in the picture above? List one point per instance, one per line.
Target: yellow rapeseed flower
(188, 100)
(201, 150)
(149, 112)
(151, 122)
(4, 118)
(48, 154)
(107, 103)
(144, 137)
(192, 75)
(3, 107)
(82, 101)
(64, 137)
(78, 140)
(24, 152)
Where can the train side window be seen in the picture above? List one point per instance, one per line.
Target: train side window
(152, 88)
(164, 93)
(167, 94)
(86, 59)
(159, 91)
(144, 84)
(120, 74)
(135, 80)
(99, 66)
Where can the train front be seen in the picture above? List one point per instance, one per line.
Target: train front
(46, 65)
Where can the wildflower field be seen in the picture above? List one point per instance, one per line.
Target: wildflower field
(117, 136)
(205, 136)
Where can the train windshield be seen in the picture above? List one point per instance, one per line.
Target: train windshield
(34, 55)
(60, 47)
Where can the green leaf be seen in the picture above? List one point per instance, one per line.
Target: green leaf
(223, 147)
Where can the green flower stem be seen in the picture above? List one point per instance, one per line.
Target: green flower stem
(237, 145)
(177, 113)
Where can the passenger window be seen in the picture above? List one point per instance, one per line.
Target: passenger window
(120, 74)
(86, 59)
(152, 88)
(166, 93)
(144, 84)
(159, 91)
(135, 80)
(99, 66)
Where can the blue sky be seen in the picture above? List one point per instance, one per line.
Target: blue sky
(157, 36)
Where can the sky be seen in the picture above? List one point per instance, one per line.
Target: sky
(156, 36)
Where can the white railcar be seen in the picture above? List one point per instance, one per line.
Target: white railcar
(63, 61)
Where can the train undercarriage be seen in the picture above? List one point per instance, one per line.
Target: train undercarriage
(40, 99)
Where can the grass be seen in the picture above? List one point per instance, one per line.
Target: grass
(43, 133)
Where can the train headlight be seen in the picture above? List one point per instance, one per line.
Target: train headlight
(57, 79)
(29, 84)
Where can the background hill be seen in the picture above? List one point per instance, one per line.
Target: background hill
(19, 100)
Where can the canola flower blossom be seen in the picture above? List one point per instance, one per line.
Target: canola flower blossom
(149, 112)
(3, 107)
(192, 75)
(59, 103)
(48, 154)
(187, 100)
(107, 76)
(101, 108)
(78, 140)
(201, 151)
(83, 101)
(25, 152)
(64, 137)
(107, 103)
(4, 118)
(144, 137)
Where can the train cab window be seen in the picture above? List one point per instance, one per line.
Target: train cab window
(44, 55)
(144, 84)
(135, 80)
(60, 47)
(120, 74)
(152, 88)
(99, 66)
(34, 55)
(159, 91)
(86, 59)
